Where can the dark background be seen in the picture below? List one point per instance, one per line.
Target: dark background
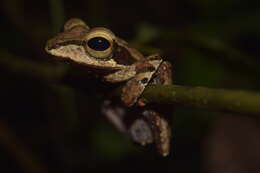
(50, 119)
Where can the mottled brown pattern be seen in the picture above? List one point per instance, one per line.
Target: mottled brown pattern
(161, 131)
(163, 74)
(144, 67)
(154, 57)
(131, 92)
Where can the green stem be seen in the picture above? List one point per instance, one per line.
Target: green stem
(236, 101)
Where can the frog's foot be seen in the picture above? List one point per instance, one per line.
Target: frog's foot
(161, 131)
(152, 128)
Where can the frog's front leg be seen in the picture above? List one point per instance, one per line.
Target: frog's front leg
(144, 70)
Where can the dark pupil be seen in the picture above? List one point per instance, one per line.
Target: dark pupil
(98, 43)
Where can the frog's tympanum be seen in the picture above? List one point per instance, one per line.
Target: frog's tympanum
(100, 49)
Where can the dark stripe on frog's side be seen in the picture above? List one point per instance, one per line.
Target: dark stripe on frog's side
(65, 43)
(122, 56)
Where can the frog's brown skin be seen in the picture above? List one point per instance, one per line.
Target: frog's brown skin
(98, 48)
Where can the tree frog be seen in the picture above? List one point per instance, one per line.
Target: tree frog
(102, 51)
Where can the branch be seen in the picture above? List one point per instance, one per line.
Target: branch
(236, 101)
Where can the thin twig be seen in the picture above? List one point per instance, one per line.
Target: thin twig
(237, 101)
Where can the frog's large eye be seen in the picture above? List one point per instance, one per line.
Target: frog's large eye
(99, 43)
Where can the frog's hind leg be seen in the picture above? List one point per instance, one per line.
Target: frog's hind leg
(161, 131)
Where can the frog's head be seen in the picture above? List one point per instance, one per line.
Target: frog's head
(92, 47)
